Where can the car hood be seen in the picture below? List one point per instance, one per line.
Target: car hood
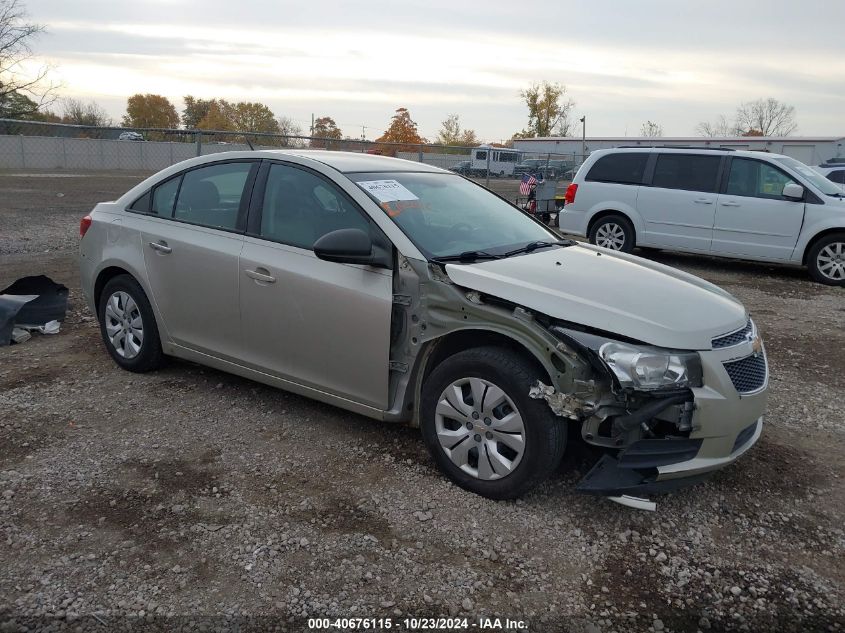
(614, 292)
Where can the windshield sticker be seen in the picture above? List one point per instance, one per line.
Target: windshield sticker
(395, 207)
(386, 190)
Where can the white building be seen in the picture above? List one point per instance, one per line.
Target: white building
(809, 150)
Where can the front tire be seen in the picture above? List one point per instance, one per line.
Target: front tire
(826, 260)
(128, 325)
(483, 430)
(614, 232)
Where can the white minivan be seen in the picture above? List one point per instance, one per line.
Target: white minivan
(743, 204)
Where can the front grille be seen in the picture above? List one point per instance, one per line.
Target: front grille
(744, 435)
(747, 374)
(734, 338)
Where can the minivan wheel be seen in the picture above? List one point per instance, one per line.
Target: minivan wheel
(128, 326)
(614, 232)
(483, 430)
(826, 260)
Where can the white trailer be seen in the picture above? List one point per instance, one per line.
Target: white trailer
(501, 160)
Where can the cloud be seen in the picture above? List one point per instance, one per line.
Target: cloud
(619, 61)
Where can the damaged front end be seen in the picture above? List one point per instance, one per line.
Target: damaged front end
(640, 403)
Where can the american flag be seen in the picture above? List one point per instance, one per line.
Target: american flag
(525, 184)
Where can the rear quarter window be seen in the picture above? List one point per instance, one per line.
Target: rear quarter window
(625, 168)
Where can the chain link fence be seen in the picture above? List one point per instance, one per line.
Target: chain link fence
(37, 146)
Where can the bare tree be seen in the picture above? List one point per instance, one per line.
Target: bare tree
(81, 113)
(768, 117)
(720, 127)
(650, 129)
(289, 127)
(20, 94)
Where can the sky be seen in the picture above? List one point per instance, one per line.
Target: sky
(676, 63)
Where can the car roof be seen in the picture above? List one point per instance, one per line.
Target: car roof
(344, 162)
(691, 150)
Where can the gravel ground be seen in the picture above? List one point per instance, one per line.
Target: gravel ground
(190, 492)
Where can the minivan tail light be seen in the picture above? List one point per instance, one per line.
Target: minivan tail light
(84, 225)
(569, 196)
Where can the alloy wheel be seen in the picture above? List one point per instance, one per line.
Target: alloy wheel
(610, 235)
(479, 428)
(124, 325)
(831, 261)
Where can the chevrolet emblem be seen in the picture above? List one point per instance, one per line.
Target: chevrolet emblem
(757, 345)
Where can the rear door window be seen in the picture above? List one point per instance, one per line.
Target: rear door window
(211, 196)
(164, 196)
(624, 167)
(690, 172)
(837, 176)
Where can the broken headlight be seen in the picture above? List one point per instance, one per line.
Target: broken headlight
(651, 368)
(635, 366)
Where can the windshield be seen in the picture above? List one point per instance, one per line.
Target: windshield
(815, 178)
(444, 214)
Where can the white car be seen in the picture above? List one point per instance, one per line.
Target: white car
(834, 171)
(742, 204)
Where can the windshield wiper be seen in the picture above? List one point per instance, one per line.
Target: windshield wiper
(466, 256)
(533, 246)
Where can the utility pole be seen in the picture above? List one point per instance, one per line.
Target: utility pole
(583, 120)
(312, 124)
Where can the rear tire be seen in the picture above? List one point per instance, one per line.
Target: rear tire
(494, 440)
(128, 325)
(826, 260)
(614, 232)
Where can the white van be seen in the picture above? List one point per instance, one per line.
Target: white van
(743, 204)
(502, 161)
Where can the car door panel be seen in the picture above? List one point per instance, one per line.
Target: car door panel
(194, 284)
(191, 240)
(678, 208)
(322, 324)
(752, 218)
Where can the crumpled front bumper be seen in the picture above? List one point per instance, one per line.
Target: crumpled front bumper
(726, 424)
(613, 477)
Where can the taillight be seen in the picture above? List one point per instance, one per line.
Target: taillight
(84, 225)
(571, 190)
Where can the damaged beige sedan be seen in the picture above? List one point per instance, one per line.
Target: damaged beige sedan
(410, 294)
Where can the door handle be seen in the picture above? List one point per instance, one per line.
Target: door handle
(730, 204)
(260, 274)
(703, 201)
(161, 247)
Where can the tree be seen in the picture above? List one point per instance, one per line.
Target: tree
(548, 110)
(247, 116)
(763, 117)
(650, 129)
(288, 127)
(149, 110)
(402, 129)
(720, 127)
(768, 116)
(21, 95)
(216, 116)
(195, 111)
(325, 128)
(15, 105)
(452, 134)
(88, 113)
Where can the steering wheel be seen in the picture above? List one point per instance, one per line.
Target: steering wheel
(463, 228)
(458, 233)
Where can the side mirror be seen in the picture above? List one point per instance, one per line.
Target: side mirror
(345, 246)
(793, 191)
